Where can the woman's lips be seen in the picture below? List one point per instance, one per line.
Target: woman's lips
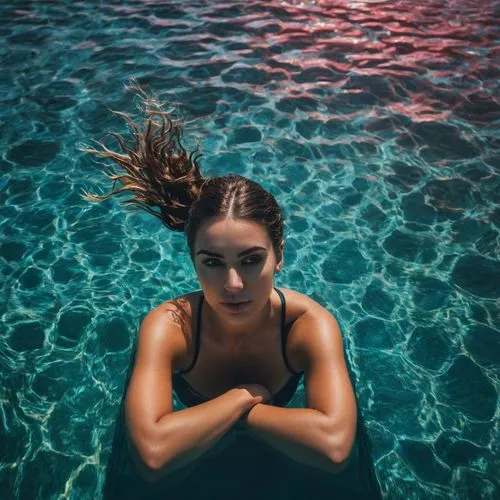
(236, 306)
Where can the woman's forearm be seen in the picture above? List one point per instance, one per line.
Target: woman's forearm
(182, 436)
(303, 434)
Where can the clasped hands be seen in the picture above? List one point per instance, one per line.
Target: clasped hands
(260, 394)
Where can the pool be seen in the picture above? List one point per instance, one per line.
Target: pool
(376, 126)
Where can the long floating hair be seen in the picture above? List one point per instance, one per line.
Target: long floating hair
(159, 172)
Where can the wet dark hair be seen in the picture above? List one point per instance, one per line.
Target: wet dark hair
(161, 174)
(236, 196)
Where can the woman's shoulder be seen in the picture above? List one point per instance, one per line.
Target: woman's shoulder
(186, 304)
(179, 311)
(298, 304)
(305, 315)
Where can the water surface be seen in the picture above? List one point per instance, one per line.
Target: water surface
(376, 126)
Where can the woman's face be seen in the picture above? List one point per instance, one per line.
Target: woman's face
(235, 263)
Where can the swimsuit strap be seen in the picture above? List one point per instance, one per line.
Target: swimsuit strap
(284, 331)
(197, 338)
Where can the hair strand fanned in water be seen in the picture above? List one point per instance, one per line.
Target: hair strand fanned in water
(159, 173)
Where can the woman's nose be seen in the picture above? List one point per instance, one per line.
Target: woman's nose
(233, 281)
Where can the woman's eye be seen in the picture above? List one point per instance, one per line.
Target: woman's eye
(246, 262)
(211, 262)
(252, 260)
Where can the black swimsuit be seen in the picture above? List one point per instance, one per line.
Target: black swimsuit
(191, 397)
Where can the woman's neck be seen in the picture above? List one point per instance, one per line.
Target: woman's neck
(230, 334)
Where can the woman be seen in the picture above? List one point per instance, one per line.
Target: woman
(235, 351)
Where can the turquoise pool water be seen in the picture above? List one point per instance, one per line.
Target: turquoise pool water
(376, 126)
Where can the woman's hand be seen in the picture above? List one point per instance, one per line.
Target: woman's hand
(259, 393)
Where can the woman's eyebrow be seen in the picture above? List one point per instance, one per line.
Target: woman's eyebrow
(241, 254)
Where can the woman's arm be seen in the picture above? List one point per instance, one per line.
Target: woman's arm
(181, 437)
(161, 440)
(302, 434)
(321, 435)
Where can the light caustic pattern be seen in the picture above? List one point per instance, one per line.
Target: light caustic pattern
(375, 124)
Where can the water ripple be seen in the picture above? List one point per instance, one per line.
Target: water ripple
(375, 124)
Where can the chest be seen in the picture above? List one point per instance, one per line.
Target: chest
(221, 368)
